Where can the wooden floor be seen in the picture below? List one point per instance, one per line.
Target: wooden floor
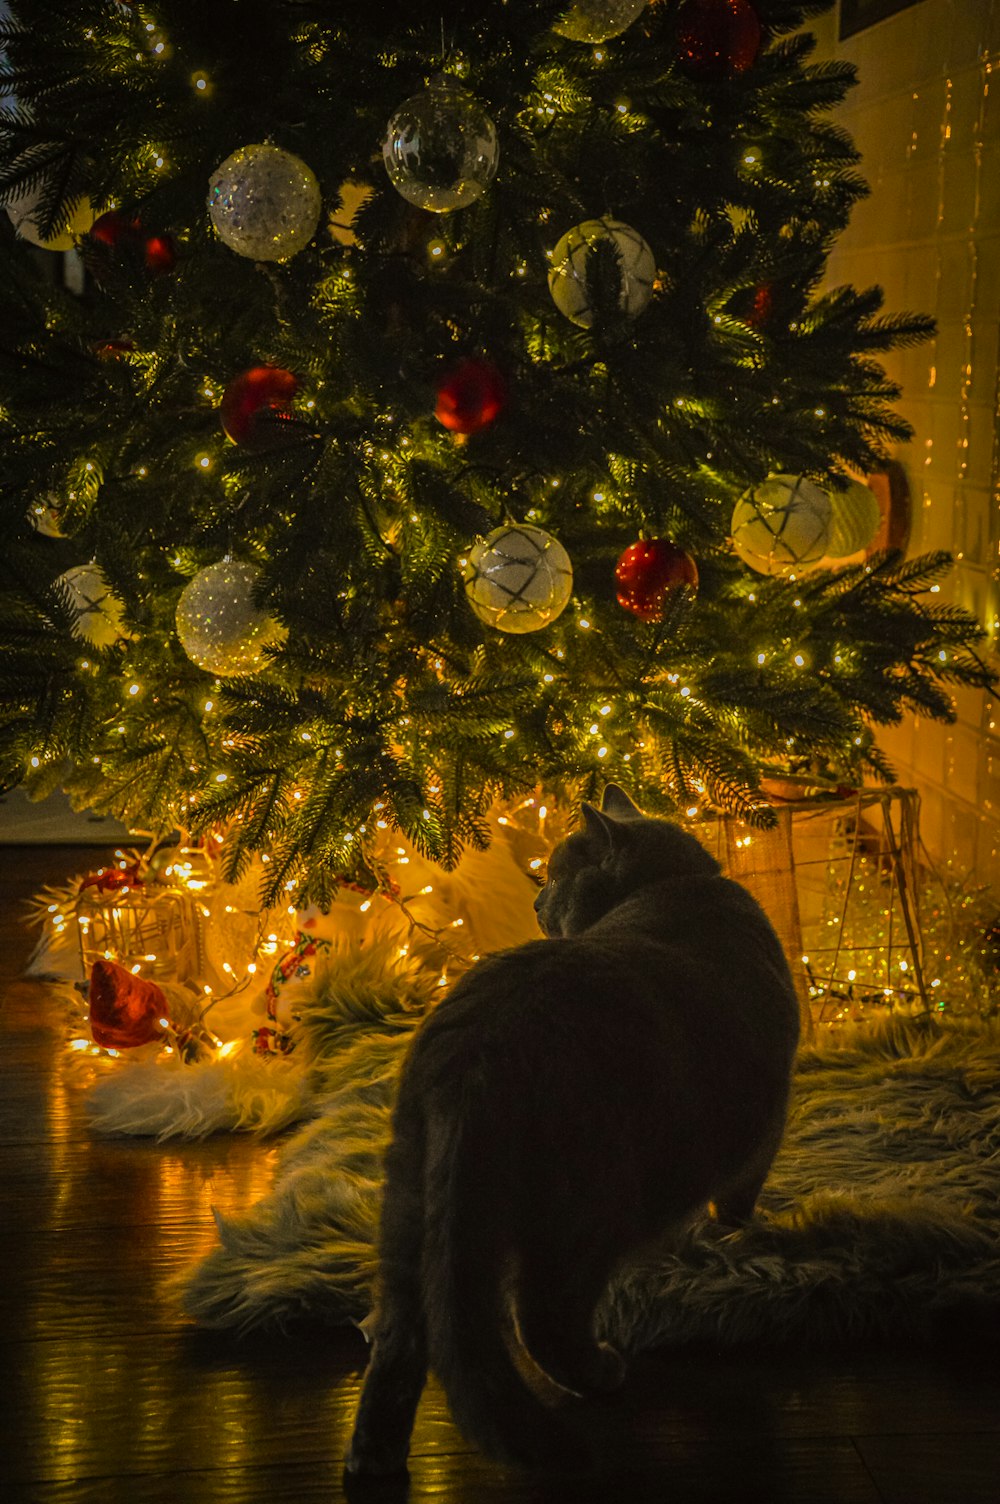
(109, 1396)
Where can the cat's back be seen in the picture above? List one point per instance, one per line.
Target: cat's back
(707, 920)
(681, 969)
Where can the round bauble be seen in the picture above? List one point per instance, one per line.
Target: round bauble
(754, 305)
(113, 349)
(264, 202)
(118, 232)
(636, 269)
(97, 612)
(717, 39)
(646, 573)
(518, 578)
(219, 627)
(114, 228)
(22, 212)
(782, 526)
(256, 404)
(159, 254)
(471, 396)
(856, 518)
(597, 20)
(441, 149)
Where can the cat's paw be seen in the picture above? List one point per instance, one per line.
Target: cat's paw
(376, 1488)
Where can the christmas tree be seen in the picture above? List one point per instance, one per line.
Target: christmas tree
(452, 406)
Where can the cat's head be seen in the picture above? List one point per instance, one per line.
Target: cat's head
(618, 851)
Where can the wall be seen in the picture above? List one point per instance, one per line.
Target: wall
(926, 117)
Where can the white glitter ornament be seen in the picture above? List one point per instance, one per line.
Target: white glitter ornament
(264, 202)
(518, 578)
(782, 526)
(568, 273)
(441, 149)
(855, 520)
(98, 618)
(597, 20)
(220, 628)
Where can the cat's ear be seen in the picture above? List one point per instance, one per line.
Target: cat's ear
(598, 825)
(618, 805)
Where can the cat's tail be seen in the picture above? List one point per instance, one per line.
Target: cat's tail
(471, 1210)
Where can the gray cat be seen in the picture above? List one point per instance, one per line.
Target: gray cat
(571, 1102)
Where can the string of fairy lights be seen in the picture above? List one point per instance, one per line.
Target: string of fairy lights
(859, 964)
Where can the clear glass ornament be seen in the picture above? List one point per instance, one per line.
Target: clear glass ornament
(264, 202)
(441, 149)
(518, 578)
(597, 20)
(568, 272)
(98, 612)
(219, 626)
(782, 526)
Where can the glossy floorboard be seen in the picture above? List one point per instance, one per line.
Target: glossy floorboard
(110, 1397)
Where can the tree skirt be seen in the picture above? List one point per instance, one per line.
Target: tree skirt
(881, 1215)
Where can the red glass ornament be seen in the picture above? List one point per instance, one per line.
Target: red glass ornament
(260, 391)
(121, 232)
(761, 306)
(647, 571)
(471, 396)
(115, 228)
(113, 349)
(160, 253)
(717, 39)
(125, 1010)
(107, 879)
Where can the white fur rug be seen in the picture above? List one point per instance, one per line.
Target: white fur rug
(881, 1215)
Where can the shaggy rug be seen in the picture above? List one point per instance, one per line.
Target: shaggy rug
(881, 1214)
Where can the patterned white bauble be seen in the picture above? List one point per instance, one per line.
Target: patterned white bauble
(782, 526)
(441, 149)
(597, 20)
(220, 628)
(264, 202)
(855, 520)
(518, 578)
(568, 273)
(98, 612)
